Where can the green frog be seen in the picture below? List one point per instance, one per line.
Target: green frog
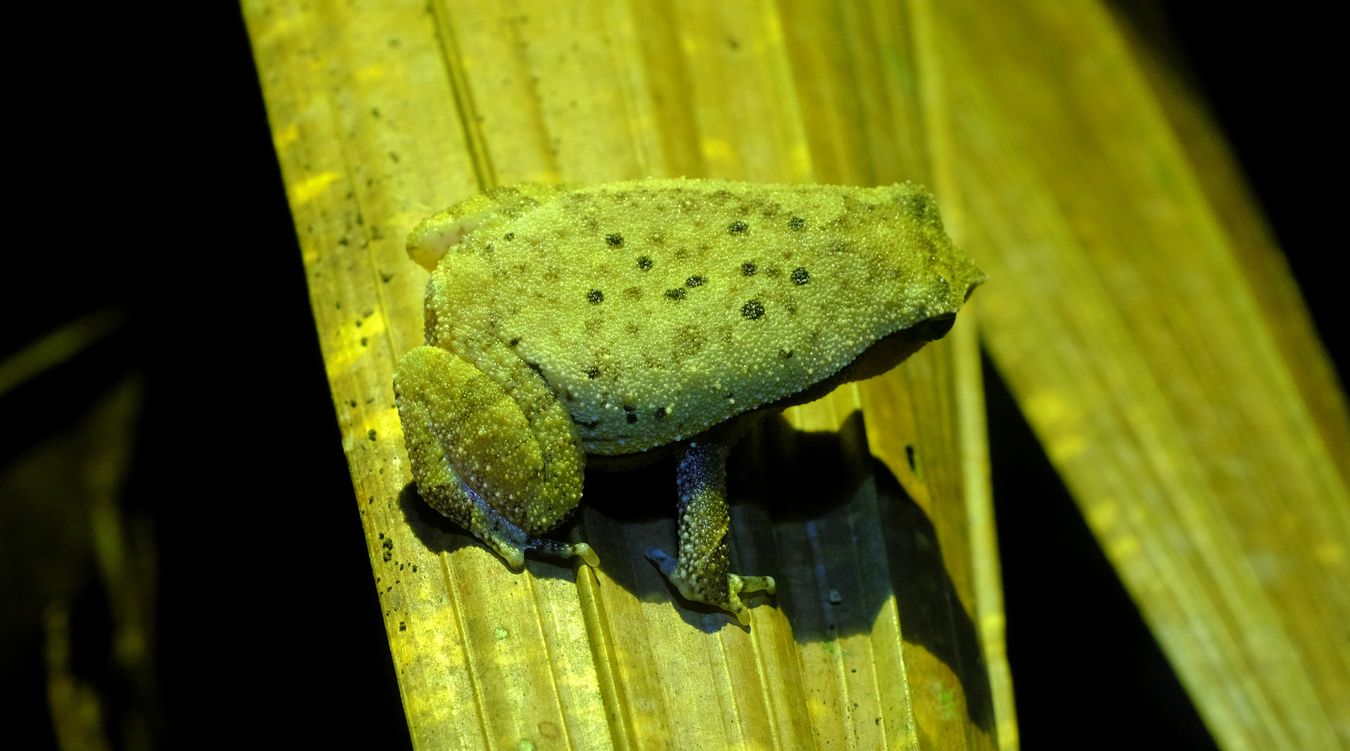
(626, 320)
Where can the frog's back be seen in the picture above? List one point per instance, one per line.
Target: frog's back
(658, 309)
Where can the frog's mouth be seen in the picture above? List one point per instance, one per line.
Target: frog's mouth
(893, 349)
(934, 328)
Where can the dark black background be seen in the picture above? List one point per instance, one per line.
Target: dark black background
(174, 209)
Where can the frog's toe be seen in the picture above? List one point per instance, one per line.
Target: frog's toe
(585, 553)
(764, 584)
(736, 584)
(514, 557)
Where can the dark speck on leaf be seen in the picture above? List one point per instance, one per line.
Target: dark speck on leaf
(514, 341)
(748, 269)
(785, 354)
(695, 281)
(595, 297)
(800, 275)
(615, 240)
(371, 434)
(797, 222)
(630, 413)
(509, 236)
(675, 294)
(593, 372)
(644, 263)
(752, 309)
(737, 227)
(661, 413)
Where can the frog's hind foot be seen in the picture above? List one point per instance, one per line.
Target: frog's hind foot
(511, 542)
(514, 552)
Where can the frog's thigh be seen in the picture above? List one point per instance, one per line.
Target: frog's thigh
(502, 471)
(702, 573)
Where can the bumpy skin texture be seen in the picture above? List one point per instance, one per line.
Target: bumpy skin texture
(619, 318)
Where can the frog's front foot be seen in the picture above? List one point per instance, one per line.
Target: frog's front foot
(721, 592)
(702, 572)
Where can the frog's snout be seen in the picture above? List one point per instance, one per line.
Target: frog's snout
(935, 328)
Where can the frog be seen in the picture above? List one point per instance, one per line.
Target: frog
(616, 323)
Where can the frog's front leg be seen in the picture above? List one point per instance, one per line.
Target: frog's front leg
(702, 573)
(504, 462)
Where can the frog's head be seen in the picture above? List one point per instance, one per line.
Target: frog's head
(935, 327)
(931, 319)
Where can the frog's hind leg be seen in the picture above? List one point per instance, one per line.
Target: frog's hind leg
(702, 572)
(506, 464)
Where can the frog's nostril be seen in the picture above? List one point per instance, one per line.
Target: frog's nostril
(935, 328)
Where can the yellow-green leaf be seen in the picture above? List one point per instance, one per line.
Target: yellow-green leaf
(871, 507)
